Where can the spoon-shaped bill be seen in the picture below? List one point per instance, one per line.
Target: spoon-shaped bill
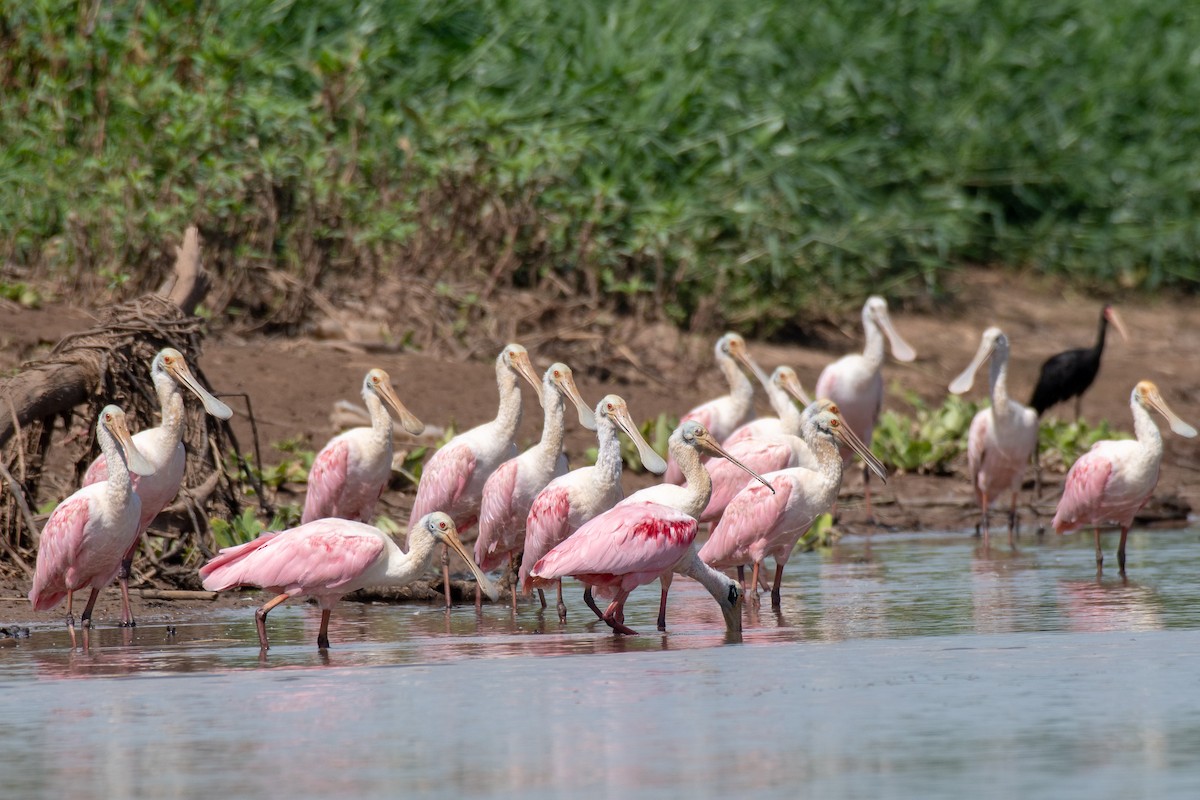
(650, 459)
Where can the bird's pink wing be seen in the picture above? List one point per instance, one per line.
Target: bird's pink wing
(977, 441)
(318, 556)
(750, 517)
(326, 480)
(640, 539)
(826, 383)
(496, 518)
(58, 546)
(1083, 492)
(760, 455)
(97, 471)
(547, 525)
(443, 481)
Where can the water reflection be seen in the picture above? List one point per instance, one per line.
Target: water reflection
(1109, 605)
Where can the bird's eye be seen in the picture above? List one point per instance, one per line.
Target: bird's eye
(610, 406)
(834, 409)
(557, 374)
(833, 423)
(442, 525)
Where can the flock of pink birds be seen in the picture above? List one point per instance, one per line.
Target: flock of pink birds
(758, 483)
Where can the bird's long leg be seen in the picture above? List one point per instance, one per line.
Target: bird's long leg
(1012, 523)
(123, 581)
(446, 574)
(479, 598)
(1078, 406)
(260, 619)
(591, 602)
(665, 580)
(512, 582)
(754, 581)
(542, 594)
(323, 633)
(562, 607)
(1121, 550)
(775, 594)
(85, 619)
(1099, 553)
(983, 501)
(742, 577)
(867, 495)
(71, 617)
(614, 615)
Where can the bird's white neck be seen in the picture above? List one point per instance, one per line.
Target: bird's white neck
(170, 401)
(998, 380)
(549, 448)
(381, 420)
(1146, 431)
(404, 568)
(715, 582)
(697, 489)
(508, 417)
(120, 484)
(740, 387)
(873, 347)
(828, 455)
(607, 472)
(790, 417)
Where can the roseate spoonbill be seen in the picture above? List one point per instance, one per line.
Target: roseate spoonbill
(759, 523)
(1002, 438)
(783, 390)
(510, 490)
(573, 499)
(1110, 482)
(767, 453)
(1069, 373)
(163, 448)
(650, 534)
(329, 558)
(725, 414)
(87, 535)
(452, 480)
(854, 382)
(350, 473)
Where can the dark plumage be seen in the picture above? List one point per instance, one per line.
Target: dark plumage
(1071, 372)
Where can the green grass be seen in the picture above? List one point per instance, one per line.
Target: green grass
(750, 160)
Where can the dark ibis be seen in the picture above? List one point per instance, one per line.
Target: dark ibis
(1070, 373)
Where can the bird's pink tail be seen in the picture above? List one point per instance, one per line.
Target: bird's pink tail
(215, 573)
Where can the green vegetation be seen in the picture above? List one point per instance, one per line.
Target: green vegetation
(743, 160)
(247, 526)
(927, 441)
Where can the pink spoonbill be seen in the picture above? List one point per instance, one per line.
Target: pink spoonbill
(723, 415)
(453, 478)
(650, 534)
(783, 390)
(327, 559)
(87, 535)
(855, 381)
(162, 447)
(350, 473)
(1110, 482)
(759, 523)
(511, 488)
(577, 497)
(1002, 438)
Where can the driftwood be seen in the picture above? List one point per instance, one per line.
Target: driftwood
(50, 406)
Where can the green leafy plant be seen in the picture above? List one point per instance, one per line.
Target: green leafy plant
(1061, 443)
(927, 441)
(247, 526)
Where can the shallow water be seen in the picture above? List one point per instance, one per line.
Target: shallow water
(899, 666)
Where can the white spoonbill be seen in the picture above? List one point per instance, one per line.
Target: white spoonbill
(1110, 482)
(783, 390)
(87, 535)
(350, 473)
(1002, 438)
(855, 382)
(723, 415)
(162, 446)
(452, 480)
(511, 488)
(573, 499)
(329, 558)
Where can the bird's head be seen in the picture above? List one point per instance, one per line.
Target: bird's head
(992, 341)
(378, 384)
(785, 378)
(516, 358)
(441, 527)
(1147, 395)
(614, 408)
(826, 419)
(560, 378)
(1110, 314)
(730, 600)
(111, 422)
(170, 362)
(694, 435)
(875, 312)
